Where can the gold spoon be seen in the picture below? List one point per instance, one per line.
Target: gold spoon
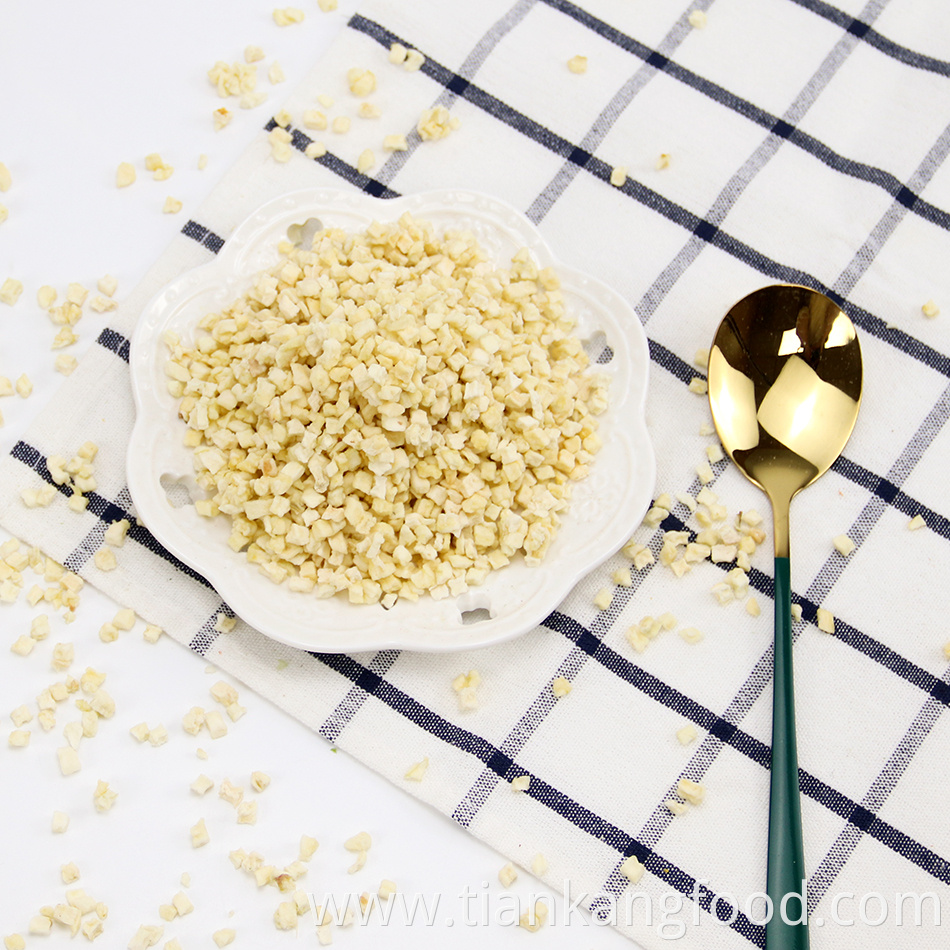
(785, 379)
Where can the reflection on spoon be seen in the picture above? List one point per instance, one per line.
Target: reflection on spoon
(801, 407)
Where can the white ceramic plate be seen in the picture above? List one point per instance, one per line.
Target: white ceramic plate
(606, 506)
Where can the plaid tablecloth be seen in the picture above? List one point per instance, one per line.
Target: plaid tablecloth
(806, 142)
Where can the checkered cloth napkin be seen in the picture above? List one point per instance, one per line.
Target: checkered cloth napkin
(806, 143)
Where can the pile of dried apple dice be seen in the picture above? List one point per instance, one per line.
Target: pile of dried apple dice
(389, 413)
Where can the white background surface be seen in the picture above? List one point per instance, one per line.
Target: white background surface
(85, 86)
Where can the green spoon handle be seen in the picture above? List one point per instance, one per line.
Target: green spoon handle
(786, 860)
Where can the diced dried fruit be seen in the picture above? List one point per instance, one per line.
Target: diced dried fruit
(308, 847)
(414, 61)
(124, 618)
(69, 762)
(158, 736)
(843, 545)
(686, 734)
(395, 142)
(65, 363)
(690, 791)
(105, 560)
(104, 797)
(151, 633)
(124, 175)
(287, 17)
(365, 161)
(259, 781)
(361, 81)
(10, 291)
(436, 123)
(285, 917)
(199, 834)
(202, 784)
(216, 724)
(533, 919)
(691, 634)
(417, 772)
(40, 925)
(146, 936)
(359, 842)
(140, 732)
(560, 687)
(23, 645)
(315, 119)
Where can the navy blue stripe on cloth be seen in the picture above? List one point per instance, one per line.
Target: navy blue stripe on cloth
(761, 117)
(874, 39)
(890, 493)
(668, 209)
(545, 794)
(106, 511)
(203, 236)
(113, 340)
(300, 141)
(672, 363)
(208, 632)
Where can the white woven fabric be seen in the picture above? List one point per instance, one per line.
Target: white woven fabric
(806, 143)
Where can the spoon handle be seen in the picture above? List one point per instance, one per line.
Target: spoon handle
(786, 861)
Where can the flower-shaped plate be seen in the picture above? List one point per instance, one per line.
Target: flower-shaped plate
(606, 505)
